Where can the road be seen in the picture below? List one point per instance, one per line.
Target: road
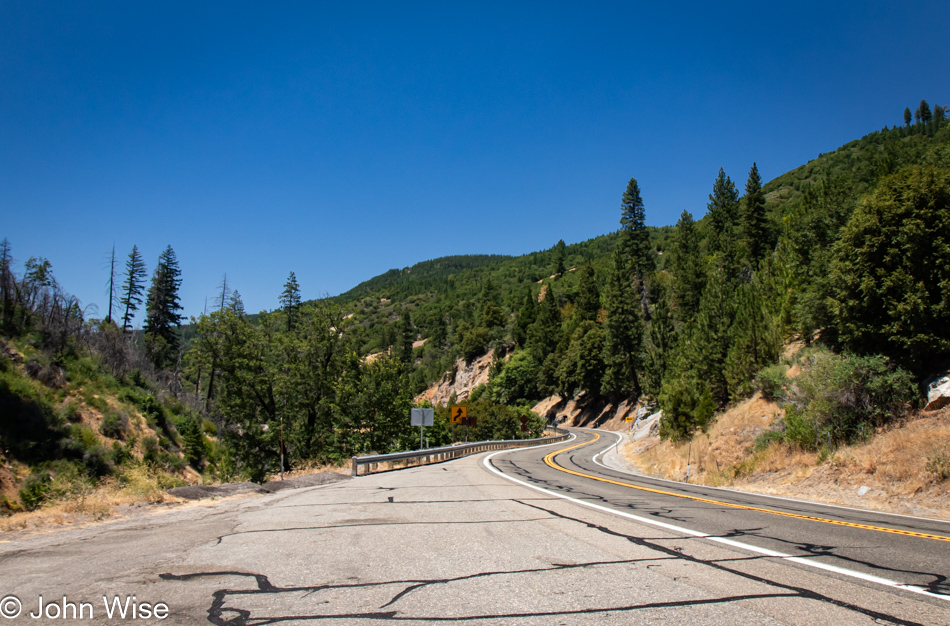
(511, 537)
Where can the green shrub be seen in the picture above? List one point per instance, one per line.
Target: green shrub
(115, 425)
(845, 396)
(939, 464)
(150, 446)
(35, 490)
(475, 342)
(771, 382)
(767, 438)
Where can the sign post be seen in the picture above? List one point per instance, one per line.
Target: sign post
(421, 418)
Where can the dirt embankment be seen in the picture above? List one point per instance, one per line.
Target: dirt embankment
(896, 470)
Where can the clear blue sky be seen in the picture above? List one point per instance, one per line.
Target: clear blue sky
(339, 140)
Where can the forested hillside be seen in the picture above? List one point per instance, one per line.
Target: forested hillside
(849, 253)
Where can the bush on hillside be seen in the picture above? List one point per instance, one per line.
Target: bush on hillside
(844, 397)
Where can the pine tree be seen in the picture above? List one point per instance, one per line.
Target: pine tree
(662, 340)
(753, 218)
(526, 317)
(290, 300)
(925, 116)
(559, 268)
(723, 207)
(406, 335)
(710, 343)
(235, 303)
(545, 333)
(907, 116)
(133, 288)
(162, 317)
(587, 305)
(754, 341)
(634, 237)
(491, 314)
(687, 268)
(623, 329)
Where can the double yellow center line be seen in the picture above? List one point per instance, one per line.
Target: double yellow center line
(549, 460)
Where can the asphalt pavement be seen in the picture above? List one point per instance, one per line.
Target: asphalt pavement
(462, 541)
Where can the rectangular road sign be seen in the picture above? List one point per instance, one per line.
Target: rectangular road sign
(629, 418)
(420, 417)
(457, 414)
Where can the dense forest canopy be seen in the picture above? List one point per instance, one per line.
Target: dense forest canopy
(849, 252)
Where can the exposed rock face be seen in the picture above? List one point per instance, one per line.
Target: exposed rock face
(591, 414)
(938, 394)
(467, 376)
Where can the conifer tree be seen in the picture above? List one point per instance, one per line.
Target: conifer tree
(162, 317)
(290, 300)
(405, 338)
(545, 333)
(687, 268)
(559, 258)
(924, 109)
(623, 332)
(754, 341)
(526, 317)
(723, 207)
(133, 288)
(587, 305)
(662, 337)
(235, 303)
(634, 237)
(753, 218)
(907, 116)
(491, 313)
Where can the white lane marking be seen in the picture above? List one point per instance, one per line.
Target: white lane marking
(730, 542)
(749, 493)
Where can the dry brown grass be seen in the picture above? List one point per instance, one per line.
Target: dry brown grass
(86, 504)
(897, 465)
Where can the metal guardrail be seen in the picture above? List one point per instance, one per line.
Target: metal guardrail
(437, 455)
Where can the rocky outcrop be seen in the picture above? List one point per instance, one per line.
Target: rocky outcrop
(587, 413)
(938, 394)
(461, 381)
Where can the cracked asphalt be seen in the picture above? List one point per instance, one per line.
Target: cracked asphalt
(455, 542)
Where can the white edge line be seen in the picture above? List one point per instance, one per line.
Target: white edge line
(749, 493)
(730, 542)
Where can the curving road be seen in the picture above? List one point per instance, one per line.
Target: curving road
(908, 556)
(535, 536)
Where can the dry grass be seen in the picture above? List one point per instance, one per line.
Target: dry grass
(86, 503)
(905, 468)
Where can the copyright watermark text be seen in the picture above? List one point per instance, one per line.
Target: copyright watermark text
(114, 607)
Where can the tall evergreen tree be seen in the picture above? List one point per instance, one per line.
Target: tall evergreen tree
(290, 300)
(406, 335)
(662, 337)
(634, 237)
(723, 207)
(754, 341)
(559, 268)
(526, 317)
(907, 116)
(162, 317)
(623, 329)
(687, 268)
(753, 218)
(545, 333)
(587, 305)
(925, 116)
(133, 288)
(235, 303)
